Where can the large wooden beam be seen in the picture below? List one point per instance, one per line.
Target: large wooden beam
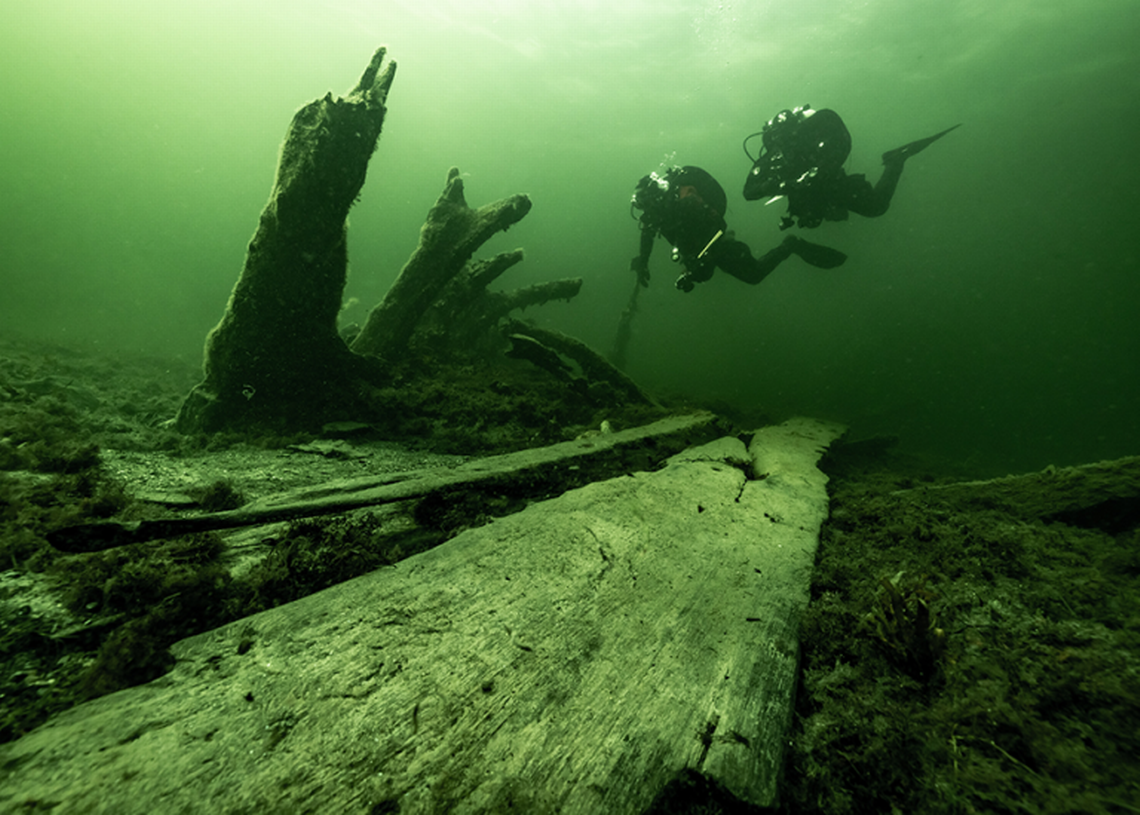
(571, 658)
(533, 473)
(1058, 493)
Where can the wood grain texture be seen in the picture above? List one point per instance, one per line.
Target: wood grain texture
(570, 658)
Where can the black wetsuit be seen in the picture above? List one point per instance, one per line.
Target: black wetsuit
(686, 207)
(831, 196)
(803, 157)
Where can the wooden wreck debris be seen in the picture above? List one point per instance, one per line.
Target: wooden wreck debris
(531, 473)
(574, 657)
(595, 367)
(448, 239)
(466, 313)
(276, 358)
(1064, 493)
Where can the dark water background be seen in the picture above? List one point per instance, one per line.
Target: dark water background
(992, 316)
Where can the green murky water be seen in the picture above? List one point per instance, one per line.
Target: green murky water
(990, 316)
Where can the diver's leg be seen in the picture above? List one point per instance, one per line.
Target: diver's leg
(813, 254)
(736, 259)
(874, 202)
(871, 202)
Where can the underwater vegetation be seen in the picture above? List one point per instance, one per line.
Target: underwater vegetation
(958, 659)
(902, 620)
(126, 606)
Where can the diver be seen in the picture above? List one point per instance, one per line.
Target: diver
(686, 206)
(802, 159)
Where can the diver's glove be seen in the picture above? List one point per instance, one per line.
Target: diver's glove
(696, 271)
(640, 266)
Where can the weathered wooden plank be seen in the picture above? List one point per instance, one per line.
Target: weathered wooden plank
(526, 472)
(1051, 493)
(571, 658)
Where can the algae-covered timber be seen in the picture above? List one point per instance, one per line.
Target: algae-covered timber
(276, 358)
(278, 362)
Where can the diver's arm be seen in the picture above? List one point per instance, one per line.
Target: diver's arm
(640, 264)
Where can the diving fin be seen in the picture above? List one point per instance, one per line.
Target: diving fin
(814, 254)
(908, 150)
